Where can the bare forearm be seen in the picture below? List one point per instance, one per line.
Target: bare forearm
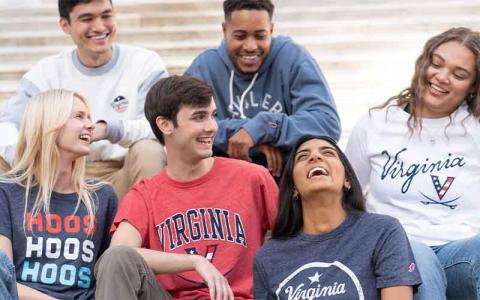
(166, 263)
(397, 293)
(27, 293)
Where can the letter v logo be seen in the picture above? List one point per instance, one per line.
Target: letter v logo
(441, 189)
(209, 252)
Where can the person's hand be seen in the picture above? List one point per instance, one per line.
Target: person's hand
(239, 144)
(99, 132)
(274, 158)
(217, 284)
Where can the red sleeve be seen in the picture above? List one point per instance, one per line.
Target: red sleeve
(133, 209)
(270, 199)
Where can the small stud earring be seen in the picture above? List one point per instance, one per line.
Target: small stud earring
(347, 186)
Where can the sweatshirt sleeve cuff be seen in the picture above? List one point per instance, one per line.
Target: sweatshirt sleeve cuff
(261, 128)
(115, 130)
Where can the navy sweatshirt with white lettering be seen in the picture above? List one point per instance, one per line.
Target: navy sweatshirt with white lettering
(288, 97)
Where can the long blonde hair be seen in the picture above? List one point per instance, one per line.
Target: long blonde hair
(37, 154)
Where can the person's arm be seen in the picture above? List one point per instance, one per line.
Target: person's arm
(312, 111)
(394, 265)
(127, 132)
(260, 290)
(208, 67)
(24, 292)
(167, 263)
(356, 150)
(11, 116)
(269, 204)
(397, 293)
(274, 157)
(112, 206)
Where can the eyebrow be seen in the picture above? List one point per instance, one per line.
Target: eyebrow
(85, 15)
(456, 67)
(203, 111)
(321, 148)
(256, 31)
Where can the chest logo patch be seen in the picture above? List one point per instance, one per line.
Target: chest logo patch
(119, 104)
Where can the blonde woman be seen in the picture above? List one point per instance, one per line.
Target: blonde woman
(53, 223)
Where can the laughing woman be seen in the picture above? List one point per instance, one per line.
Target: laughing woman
(53, 223)
(324, 244)
(419, 154)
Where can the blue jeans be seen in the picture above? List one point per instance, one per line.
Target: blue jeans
(450, 271)
(8, 283)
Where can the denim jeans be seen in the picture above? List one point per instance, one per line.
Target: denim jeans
(8, 283)
(450, 271)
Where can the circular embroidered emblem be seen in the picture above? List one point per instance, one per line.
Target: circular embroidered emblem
(119, 104)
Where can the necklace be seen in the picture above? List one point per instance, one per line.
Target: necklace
(432, 134)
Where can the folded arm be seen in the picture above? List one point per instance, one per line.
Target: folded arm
(166, 263)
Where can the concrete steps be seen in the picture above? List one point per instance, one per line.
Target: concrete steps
(366, 48)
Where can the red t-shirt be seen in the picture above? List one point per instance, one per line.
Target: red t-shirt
(222, 215)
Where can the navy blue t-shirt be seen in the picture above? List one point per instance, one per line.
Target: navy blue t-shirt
(56, 253)
(366, 253)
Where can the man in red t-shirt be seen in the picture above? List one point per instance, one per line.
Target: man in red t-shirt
(217, 209)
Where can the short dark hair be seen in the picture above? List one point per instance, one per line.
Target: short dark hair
(289, 220)
(168, 95)
(65, 7)
(229, 6)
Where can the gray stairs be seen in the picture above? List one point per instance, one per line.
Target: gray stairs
(365, 48)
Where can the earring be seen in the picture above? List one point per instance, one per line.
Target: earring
(347, 186)
(472, 96)
(295, 195)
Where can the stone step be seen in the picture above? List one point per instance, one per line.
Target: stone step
(197, 32)
(46, 9)
(149, 15)
(179, 6)
(340, 44)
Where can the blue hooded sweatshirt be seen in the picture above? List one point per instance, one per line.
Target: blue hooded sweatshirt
(287, 98)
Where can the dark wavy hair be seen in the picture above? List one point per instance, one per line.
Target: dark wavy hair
(289, 220)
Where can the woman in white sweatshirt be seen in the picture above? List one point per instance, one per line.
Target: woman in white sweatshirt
(419, 157)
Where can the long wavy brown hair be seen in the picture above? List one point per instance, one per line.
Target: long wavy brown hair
(412, 95)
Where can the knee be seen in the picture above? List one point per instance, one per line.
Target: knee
(147, 147)
(429, 266)
(7, 271)
(115, 258)
(148, 153)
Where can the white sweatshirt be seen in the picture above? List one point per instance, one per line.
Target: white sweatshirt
(116, 92)
(428, 180)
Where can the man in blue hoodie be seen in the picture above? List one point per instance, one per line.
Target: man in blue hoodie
(269, 91)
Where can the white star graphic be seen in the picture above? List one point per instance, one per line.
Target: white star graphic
(315, 278)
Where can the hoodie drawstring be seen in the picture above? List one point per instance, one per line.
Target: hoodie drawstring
(242, 99)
